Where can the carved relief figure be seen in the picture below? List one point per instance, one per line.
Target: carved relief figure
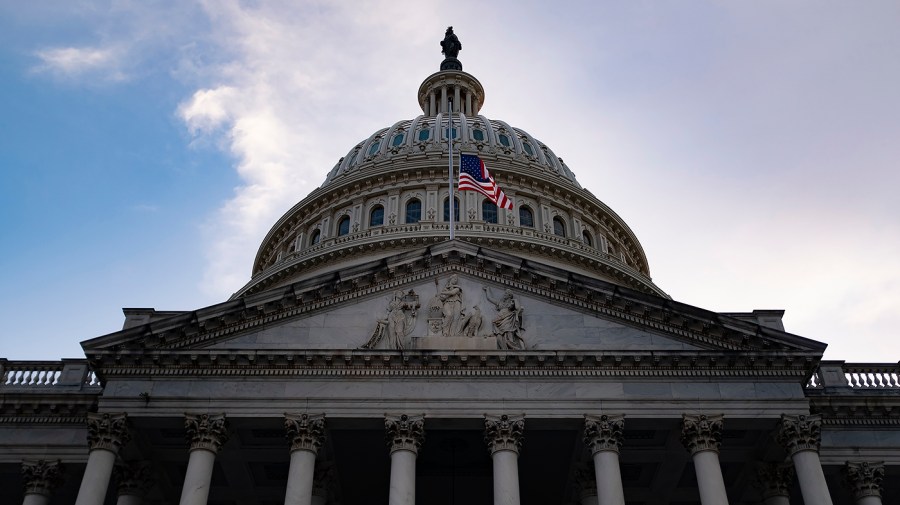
(400, 321)
(471, 323)
(508, 324)
(451, 297)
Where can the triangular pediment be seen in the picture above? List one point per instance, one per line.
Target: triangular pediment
(347, 310)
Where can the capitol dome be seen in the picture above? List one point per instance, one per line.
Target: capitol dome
(389, 195)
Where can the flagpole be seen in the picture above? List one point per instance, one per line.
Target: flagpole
(450, 166)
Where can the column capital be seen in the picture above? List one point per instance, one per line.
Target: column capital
(863, 478)
(585, 480)
(305, 432)
(42, 476)
(107, 431)
(132, 479)
(701, 432)
(775, 479)
(604, 433)
(404, 432)
(206, 431)
(800, 433)
(504, 433)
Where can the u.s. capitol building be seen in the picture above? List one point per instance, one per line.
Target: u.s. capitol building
(372, 360)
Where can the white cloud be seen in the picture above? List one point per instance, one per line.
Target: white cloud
(72, 62)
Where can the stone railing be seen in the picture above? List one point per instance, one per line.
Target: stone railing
(47, 375)
(857, 376)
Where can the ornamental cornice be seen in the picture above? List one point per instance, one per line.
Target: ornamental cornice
(701, 432)
(800, 433)
(604, 433)
(305, 432)
(41, 477)
(863, 478)
(404, 432)
(504, 433)
(206, 431)
(775, 479)
(108, 431)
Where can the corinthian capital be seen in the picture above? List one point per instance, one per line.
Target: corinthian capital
(107, 431)
(205, 431)
(800, 433)
(42, 477)
(504, 433)
(702, 432)
(604, 433)
(405, 433)
(132, 479)
(305, 432)
(775, 479)
(863, 478)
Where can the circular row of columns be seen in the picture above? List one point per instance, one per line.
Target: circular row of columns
(603, 435)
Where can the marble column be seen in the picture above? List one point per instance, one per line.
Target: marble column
(864, 478)
(604, 436)
(132, 482)
(405, 435)
(702, 436)
(106, 434)
(306, 434)
(504, 436)
(774, 481)
(206, 433)
(41, 478)
(801, 436)
(586, 484)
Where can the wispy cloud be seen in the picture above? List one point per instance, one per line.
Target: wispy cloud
(75, 62)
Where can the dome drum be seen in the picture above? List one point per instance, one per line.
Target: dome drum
(440, 88)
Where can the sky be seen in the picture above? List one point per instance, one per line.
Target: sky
(147, 147)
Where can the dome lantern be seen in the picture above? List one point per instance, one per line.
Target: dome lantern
(451, 84)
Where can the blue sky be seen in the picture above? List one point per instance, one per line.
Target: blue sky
(752, 147)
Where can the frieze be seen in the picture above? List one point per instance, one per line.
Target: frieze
(107, 431)
(701, 432)
(504, 433)
(305, 432)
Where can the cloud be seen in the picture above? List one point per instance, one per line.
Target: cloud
(74, 62)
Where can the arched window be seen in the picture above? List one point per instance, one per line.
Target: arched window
(376, 217)
(526, 217)
(528, 149)
(559, 226)
(488, 211)
(586, 238)
(424, 134)
(413, 211)
(398, 139)
(343, 226)
(374, 148)
(504, 140)
(455, 210)
(314, 238)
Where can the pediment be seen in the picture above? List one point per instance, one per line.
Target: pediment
(557, 310)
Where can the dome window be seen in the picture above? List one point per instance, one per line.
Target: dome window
(315, 237)
(413, 211)
(374, 148)
(344, 226)
(586, 238)
(452, 133)
(504, 140)
(376, 217)
(528, 149)
(526, 217)
(424, 135)
(398, 139)
(488, 212)
(478, 135)
(559, 227)
(455, 209)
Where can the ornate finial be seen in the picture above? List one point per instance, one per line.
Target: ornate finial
(450, 48)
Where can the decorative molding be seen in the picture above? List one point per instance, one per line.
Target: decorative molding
(863, 478)
(800, 433)
(107, 431)
(775, 479)
(206, 431)
(404, 432)
(504, 433)
(133, 479)
(604, 433)
(42, 477)
(701, 432)
(305, 432)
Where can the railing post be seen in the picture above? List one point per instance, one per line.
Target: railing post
(74, 372)
(831, 373)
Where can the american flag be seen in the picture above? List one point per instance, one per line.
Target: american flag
(474, 176)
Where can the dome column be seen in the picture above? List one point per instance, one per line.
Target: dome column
(106, 434)
(405, 435)
(431, 105)
(604, 435)
(306, 434)
(468, 103)
(443, 101)
(702, 436)
(504, 436)
(801, 436)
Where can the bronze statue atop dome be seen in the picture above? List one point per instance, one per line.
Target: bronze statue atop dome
(450, 48)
